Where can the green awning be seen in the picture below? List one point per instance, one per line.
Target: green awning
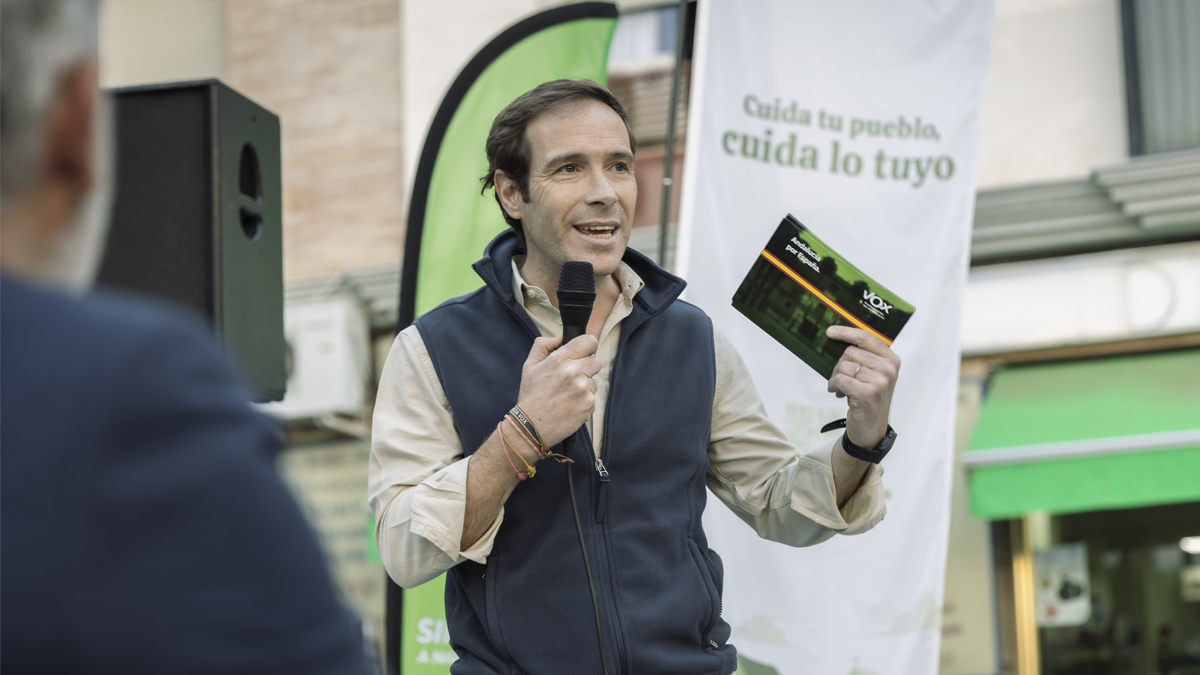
(1088, 435)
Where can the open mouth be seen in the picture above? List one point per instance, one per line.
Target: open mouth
(597, 231)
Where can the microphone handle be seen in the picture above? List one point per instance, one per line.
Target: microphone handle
(575, 318)
(570, 333)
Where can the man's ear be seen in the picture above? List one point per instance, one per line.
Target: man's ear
(68, 145)
(510, 195)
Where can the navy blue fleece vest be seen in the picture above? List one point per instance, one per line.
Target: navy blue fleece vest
(529, 609)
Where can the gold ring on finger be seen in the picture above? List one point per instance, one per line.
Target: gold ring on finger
(855, 375)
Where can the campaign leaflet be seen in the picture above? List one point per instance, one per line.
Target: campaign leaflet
(799, 286)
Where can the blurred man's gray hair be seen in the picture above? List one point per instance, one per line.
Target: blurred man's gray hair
(40, 41)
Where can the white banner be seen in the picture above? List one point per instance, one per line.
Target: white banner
(862, 119)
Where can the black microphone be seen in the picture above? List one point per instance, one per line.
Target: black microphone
(576, 295)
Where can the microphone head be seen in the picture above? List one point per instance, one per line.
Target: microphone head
(576, 294)
(577, 276)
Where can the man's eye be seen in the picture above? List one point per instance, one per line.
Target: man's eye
(621, 166)
(569, 168)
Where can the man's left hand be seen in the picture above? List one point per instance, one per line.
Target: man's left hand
(866, 375)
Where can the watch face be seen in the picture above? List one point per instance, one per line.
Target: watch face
(888, 439)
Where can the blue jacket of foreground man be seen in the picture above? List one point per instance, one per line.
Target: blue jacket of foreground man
(145, 529)
(658, 582)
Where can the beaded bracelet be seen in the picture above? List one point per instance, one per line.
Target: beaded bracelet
(522, 475)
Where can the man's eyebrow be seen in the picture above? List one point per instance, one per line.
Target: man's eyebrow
(565, 158)
(579, 157)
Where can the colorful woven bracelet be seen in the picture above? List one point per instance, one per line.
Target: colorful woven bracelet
(528, 467)
(527, 433)
(526, 436)
(520, 474)
(526, 425)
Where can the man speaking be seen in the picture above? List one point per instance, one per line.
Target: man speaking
(479, 390)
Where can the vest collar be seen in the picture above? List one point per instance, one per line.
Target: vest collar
(495, 268)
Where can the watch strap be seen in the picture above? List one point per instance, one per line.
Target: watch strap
(873, 456)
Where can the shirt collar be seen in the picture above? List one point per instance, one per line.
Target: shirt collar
(629, 280)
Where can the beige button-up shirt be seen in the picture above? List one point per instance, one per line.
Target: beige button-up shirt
(418, 474)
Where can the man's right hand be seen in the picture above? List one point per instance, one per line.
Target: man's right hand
(557, 390)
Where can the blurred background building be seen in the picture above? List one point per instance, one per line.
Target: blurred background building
(1078, 472)
(1079, 407)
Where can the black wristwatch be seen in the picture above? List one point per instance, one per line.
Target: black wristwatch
(873, 456)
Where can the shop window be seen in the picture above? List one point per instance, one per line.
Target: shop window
(1114, 592)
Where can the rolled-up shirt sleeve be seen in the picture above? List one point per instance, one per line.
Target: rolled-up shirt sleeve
(784, 495)
(417, 475)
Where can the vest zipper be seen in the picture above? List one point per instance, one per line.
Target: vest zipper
(602, 507)
(602, 499)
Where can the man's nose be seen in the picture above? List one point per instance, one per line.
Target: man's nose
(600, 190)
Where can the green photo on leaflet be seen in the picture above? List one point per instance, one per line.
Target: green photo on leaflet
(799, 286)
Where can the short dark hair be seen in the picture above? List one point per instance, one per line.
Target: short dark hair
(507, 146)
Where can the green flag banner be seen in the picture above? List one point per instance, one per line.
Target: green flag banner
(450, 223)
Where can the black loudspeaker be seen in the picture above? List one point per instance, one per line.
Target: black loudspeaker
(198, 216)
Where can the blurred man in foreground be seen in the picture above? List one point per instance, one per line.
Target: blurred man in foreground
(144, 527)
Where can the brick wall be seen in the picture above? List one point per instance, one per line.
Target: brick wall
(331, 70)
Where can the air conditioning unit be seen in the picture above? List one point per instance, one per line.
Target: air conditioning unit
(329, 363)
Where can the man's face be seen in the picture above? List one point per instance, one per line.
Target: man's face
(582, 190)
(74, 259)
(55, 227)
